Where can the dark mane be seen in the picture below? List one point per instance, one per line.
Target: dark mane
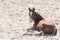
(38, 17)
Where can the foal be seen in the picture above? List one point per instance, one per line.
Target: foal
(34, 16)
(40, 23)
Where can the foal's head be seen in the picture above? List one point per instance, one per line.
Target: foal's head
(31, 14)
(34, 16)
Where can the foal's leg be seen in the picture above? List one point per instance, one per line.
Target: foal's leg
(41, 33)
(33, 28)
(29, 29)
(55, 32)
(35, 25)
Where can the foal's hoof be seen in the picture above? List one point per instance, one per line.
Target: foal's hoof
(55, 33)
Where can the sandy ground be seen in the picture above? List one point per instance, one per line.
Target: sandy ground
(14, 18)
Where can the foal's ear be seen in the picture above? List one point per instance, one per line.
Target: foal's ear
(29, 8)
(33, 9)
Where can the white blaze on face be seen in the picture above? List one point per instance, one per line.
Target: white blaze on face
(30, 16)
(30, 13)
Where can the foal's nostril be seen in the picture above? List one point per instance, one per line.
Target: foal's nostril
(30, 20)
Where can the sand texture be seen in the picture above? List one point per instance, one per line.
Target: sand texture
(14, 18)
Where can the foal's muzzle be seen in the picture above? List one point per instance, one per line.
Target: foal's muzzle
(30, 20)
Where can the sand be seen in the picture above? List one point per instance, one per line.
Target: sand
(14, 19)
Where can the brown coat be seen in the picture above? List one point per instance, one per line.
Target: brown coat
(46, 26)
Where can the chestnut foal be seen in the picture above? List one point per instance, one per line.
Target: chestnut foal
(41, 24)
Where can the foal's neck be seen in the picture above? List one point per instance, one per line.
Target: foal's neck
(38, 18)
